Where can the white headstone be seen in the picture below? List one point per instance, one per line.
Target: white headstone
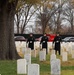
(21, 66)
(52, 57)
(49, 46)
(37, 51)
(18, 49)
(17, 43)
(27, 55)
(62, 50)
(52, 51)
(44, 49)
(69, 48)
(36, 45)
(72, 53)
(28, 58)
(27, 51)
(23, 50)
(33, 69)
(42, 55)
(73, 47)
(64, 56)
(33, 53)
(23, 44)
(55, 67)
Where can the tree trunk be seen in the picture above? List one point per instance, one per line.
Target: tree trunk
(58, 22)
(18, 28)
(72, 23)
(7, 43)
(17, 24)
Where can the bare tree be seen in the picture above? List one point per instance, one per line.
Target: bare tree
(69, 13)
(63, 13)
(44, 16)
(54, 17)
(24, 15)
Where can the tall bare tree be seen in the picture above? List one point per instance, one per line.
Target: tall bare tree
(45, 14)
(69, 13)
(24, 15)
(60, 15)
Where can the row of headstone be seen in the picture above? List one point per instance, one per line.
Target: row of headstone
(64, 55)
(54, 62)
(27, 54)
(68, 46)
(21, 45)
(32, 69)
(24, 66)
(66, 50)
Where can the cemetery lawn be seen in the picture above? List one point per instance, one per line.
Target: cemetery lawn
(9, 67)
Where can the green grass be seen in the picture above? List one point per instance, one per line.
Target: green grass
(8, 67)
